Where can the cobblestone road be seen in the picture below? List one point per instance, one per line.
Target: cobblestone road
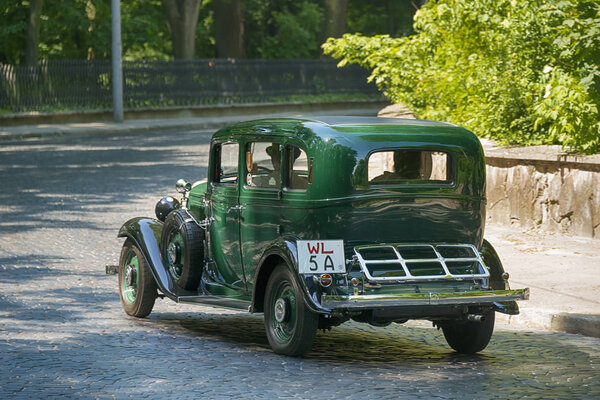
(62, 331)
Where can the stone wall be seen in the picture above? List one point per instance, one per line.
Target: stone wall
(542, 187)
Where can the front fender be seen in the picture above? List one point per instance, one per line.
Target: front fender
(497, 282)
(285, 249)
(146, 233)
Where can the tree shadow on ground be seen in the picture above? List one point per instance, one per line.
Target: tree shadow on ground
(83, 175)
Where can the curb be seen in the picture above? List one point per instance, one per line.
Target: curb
(557, 321)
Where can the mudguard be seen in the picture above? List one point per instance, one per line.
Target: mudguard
(146, 233)
(497, 282)
(287, 250)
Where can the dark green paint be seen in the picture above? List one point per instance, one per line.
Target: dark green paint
(249, 225)
(339, 204)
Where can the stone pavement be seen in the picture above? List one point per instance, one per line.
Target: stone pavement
(563, 272)
(63, 333)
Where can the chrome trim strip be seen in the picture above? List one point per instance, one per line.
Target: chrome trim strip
(423, 299)
(403, 262)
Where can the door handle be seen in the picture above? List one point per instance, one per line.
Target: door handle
(238, 209)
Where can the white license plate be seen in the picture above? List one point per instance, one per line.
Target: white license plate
(321, 256)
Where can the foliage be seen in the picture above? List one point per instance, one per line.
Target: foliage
(373, 17)
(282, 28)
(13, 26)
(518, 72)
(75, 29)
(296, 33)
(144, 31)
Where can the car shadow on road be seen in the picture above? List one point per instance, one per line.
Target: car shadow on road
(353, 341)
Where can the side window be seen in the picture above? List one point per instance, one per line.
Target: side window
(263, 165)
(409, 166)
(226, 163)
(296, 168)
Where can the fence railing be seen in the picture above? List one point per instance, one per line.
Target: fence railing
(86, 85)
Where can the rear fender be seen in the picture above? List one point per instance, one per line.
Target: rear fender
(146, 233)
(497, 282)
(286, 250)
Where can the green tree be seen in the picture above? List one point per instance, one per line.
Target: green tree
(75, 29)
(519, 72)
(229, 28)
(13, 27)
(33, 32)
(282, 28)
(145, 33)
(335, 18)
(182, 17)
(376, 17)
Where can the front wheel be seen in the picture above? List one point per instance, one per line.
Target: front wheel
(291, 327)
(470, 337)
(137, 287)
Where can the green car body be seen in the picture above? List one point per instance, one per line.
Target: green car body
(406, 248)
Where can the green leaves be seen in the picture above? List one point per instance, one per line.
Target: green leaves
(519, 72)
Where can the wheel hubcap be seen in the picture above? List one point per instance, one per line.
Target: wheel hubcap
(280, 310)
(173, 253)
(283, 312)
(130, 275)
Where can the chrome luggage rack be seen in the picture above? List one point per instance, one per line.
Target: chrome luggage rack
(409, 262)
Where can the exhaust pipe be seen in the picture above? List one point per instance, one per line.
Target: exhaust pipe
(475, 318)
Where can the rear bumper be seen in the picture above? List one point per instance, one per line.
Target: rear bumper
(365, 302)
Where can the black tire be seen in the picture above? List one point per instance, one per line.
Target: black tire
(137, 287)
(291, 332)
(470, 337)
(182, 249)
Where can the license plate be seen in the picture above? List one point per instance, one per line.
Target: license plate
(321, 256)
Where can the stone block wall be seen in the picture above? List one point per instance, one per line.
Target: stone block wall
(544, 188)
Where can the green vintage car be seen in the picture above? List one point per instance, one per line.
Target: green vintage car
(314, 222)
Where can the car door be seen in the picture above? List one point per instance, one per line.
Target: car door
(224, 269)
(260, 200)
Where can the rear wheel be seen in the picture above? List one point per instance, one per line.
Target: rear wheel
(470, 337)
(137, 287)
(291, 327)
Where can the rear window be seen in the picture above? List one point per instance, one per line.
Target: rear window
(409, 167)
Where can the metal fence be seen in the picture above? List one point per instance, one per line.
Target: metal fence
(86, 85)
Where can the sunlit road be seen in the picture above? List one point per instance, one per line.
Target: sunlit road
(63, 333)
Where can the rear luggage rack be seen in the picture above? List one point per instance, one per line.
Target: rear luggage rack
(404, 262)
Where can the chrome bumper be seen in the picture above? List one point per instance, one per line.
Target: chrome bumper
(359, 302)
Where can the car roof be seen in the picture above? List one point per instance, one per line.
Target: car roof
(335, 121)
(355, 132)
(340, 145)
(333, 127)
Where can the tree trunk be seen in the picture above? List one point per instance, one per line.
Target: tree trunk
(335, 18)
(229, 29)
(33, 32)
(182, 18)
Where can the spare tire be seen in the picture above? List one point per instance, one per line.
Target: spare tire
(182, 249)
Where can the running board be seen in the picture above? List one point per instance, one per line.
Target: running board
(217, 301)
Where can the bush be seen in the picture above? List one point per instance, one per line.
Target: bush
(518, 72)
